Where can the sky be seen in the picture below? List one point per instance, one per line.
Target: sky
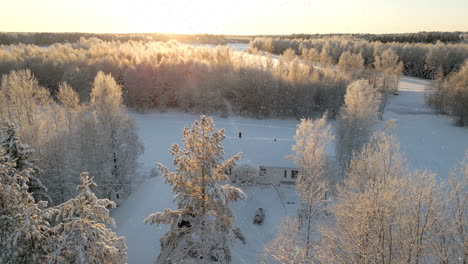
(239, 17)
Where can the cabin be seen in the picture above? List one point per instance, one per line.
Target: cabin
(268, 175)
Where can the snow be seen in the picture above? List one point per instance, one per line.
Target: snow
(236, 46)
(430, 142)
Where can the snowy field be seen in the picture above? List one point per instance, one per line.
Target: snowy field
(429, 141)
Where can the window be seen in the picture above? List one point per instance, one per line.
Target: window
(294, 174)
(285, 173)
(229, 172)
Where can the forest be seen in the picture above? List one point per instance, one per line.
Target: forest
(71, 151)
(421, 60)
(215, 80)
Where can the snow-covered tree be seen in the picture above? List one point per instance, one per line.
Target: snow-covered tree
(383, 213)
(356, 119)
(390, 65)
(70, 101)
(390, 69)
(312, 138)
(117, 140)
(350, 61)
(288, 246)
(81, 232)
(201, 228)
(20, 155)
(24, 232)
(451, 234)
(23, 101)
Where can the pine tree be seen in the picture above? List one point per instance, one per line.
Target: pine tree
(201, 228)
(24, 232)
(82, 235)
(20, 155)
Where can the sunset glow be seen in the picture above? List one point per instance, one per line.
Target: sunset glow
(234, 17)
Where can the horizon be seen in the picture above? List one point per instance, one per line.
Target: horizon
(229, 35)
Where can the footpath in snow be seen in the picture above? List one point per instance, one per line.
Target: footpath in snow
(430, 142)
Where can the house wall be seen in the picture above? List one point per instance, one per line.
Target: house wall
(267, 175)
(277, 175)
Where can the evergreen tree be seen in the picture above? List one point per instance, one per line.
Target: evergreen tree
(201, 228)
(20, 155)
(82, 235)
(24, 232)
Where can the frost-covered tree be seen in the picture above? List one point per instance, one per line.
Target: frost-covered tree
(24, 101)
(390, 69)
(24, 232)
(70, 100)
(201, 228)
(451, 96)
(383, 212)
(117, 140)
(288, 246)
(450, 233)
(20, 155)
(81, 232)
(356, 119)
(350, 61)
(312, 138)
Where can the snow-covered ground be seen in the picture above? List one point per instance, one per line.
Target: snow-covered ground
(235, 46)
(429, 141)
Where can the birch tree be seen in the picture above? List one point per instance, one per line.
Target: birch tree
(355, 121)
(288, 246)
(384, 213)
(312, 138)
(118, 143)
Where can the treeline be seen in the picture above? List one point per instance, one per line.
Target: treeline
(47, 38)
(56, 139)
(419, 60)
(201, 79)
(419, 37)
(450, 95)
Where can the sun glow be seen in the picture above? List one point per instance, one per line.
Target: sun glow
(188, 17)
(245, 17)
